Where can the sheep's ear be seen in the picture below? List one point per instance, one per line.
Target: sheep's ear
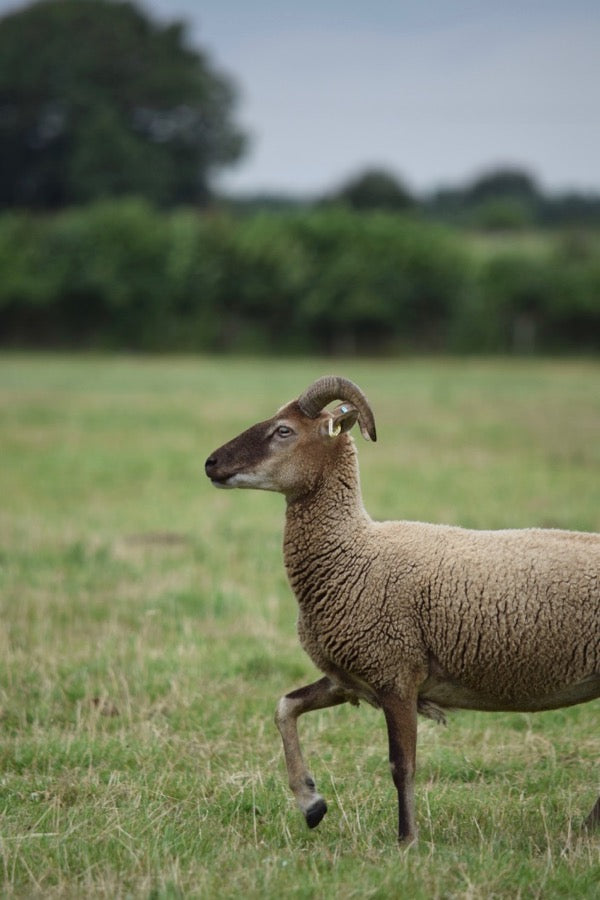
(341, 419)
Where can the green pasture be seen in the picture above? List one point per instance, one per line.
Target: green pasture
(147, 631)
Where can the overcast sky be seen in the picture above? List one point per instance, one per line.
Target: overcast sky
(434, 90)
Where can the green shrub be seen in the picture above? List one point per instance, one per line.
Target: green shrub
(377, 280)
(122, 274)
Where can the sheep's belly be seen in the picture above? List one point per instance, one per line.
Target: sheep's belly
(447, 693)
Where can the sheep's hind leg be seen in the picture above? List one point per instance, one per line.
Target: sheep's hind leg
(593, 820)
(318, 695)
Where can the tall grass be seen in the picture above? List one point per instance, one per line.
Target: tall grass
(147, 630)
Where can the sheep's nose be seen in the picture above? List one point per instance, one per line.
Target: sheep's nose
(210, 464)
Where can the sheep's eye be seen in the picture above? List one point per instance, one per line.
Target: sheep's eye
(284, 431)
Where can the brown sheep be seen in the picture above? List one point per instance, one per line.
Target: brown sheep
(408, 616)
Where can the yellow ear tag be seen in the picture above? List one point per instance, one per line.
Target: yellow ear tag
(333, 430)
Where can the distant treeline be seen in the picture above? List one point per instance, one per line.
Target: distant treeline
(124, 275)
(501, 199)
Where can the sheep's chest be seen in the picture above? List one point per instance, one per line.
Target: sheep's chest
(354, 646)
(352, 622)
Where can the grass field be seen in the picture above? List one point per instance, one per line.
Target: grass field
(147, 631)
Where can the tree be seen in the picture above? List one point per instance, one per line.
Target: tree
(373, 189)
(96, 100)
(506, 198)
(501, 183)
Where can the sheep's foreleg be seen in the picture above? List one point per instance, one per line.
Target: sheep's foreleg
(319, 695)
(401, 719)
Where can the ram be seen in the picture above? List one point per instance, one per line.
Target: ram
(408, 616)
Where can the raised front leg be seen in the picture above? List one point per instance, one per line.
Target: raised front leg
(319, 695)
(401, 720)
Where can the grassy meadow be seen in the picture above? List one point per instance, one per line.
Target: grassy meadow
(147, 631)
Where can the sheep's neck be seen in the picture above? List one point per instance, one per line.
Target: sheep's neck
(322, 527)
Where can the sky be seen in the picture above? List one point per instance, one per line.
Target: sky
(434, 91)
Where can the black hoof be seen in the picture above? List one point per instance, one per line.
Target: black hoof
(315, 813)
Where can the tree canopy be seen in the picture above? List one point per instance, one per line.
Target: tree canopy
(502, 182)
(97, 99)
(372, 189)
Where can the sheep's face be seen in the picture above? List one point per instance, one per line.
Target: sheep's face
(286, 454)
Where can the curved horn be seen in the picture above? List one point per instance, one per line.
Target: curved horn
(334, 387)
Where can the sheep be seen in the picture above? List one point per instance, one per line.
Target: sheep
(408, 616)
